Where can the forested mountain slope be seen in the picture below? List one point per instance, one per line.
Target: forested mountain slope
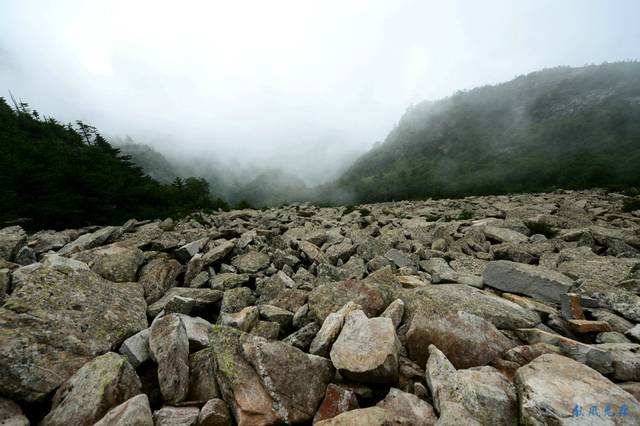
(561, 127)
(57, 176)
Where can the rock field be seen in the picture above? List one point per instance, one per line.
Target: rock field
(500, 310)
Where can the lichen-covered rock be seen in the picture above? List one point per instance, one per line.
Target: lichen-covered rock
(56, 321)
(437, 301)
(92, 391)
(367, 350)
(169, 346)
(329, 298)
(267, 382)
(158, 276)
(202, 376)
(466, 339)
(113, 262)
(251, 262)
(200, 299)
(12, 239)
(474, 396)
(215, 413)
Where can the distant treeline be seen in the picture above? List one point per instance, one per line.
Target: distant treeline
(56, 176)
(564, 127)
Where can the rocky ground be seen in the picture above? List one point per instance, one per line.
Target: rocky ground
(449, 312)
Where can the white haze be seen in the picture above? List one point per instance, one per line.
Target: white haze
(300, 85)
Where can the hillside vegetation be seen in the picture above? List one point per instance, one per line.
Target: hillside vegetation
(557, 128)
(57, 176)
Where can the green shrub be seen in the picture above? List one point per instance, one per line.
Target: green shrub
(465, 215)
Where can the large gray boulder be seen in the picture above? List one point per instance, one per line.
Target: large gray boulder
(92, 391)
(169, 348)
(554, 389)
(367, 350)
(467, 340)
(88, 241)
(267, 382)
(474, 396)
(328, 298)
(436, 301)
(535, 281)
(113, 262)
(56, 321)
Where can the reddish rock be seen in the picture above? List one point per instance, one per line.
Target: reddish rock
(337, 400)
(585, 326)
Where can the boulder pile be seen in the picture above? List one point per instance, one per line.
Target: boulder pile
(499, 310)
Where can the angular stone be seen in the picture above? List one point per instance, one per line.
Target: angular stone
(313, 253)
(480, 395)
(367, 350)
(136, 348)
(218, 252)
(113, 262)
(189, 250)
(572, 307)
(243, 320)
(267, 329)
(215, 413)
(203, 298)
(157, 277)
(197, 331)
(176, 416)
(251, 262)
(331, 327)
(552, 386)
(267, 382)
(202, 377)
(466, 339)
(53, 259)
(616, 299)
(394, 312)
(634, 333)
(404, 404)
(236, 299)
(228, 280)
(337, 400)
(302, 338)
(616, 322)
(504, 235)
(534, 281)
(56, 321)
(194, 268)
(275, 314)
(398, 258)
(437, 301)
(88, 241)
(133, 412)
(329, 298)
(92, 391)
(169, 347)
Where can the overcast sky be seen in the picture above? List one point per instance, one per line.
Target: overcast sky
(298, 84)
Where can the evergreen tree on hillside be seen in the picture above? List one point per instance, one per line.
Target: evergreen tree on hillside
(57, 176)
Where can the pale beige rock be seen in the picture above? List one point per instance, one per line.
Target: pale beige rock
(133, 412)
(169, 346)
(551, 386)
